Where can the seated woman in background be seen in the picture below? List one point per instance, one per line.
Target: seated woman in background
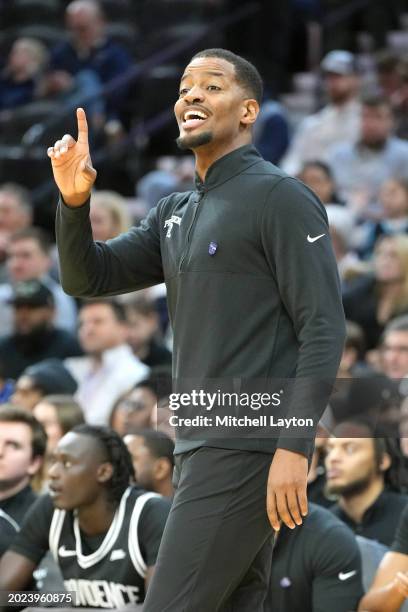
(371, 300)
(109, 215)
(58, 414)
(319, 178)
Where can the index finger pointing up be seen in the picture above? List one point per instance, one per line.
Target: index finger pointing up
(82, 126)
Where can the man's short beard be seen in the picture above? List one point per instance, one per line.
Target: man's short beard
(351, 488)
(191, 142)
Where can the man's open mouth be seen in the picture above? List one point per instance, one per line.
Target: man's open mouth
(193, 118)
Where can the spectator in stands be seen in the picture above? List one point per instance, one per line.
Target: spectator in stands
(29, 257)
(108, 368)
(153, 460)
(390, 586)
(316, 478)
(360, 168)
(316, 567)
(35, 337)
(401, 103)
(342, 230)
(393, 199)
(89, 48)
(371, 300)
(58, 414)
(25, 64)
(319, 177)
(366, 474)
(352, 360)
(44, 378)
(6, 386)
(22, 449)
(134, 410)
(394, 348)
(15, 215)
(109, 215)
(338, 121)
(272, 131)
(144, 332)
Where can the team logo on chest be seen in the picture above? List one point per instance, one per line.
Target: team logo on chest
(174, 219)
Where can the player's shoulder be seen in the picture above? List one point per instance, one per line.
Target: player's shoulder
(145, 502)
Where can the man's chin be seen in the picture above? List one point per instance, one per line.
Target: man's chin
(193, 141)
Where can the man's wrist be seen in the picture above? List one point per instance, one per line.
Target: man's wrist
(76, 201)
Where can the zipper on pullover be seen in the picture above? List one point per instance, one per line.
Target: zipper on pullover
(201, 194)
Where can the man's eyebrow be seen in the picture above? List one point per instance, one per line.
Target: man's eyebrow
(209, 72)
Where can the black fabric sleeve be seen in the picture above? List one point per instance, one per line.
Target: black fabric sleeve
(400, 544)
(298, 247)
(150, 528)
(129, 262)
(337, 583)
(7, 534)
(32, 539)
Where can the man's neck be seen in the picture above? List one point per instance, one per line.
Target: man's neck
(207, 155)
(12, 491)
(356, 505)
(97, 517)
(165, 488)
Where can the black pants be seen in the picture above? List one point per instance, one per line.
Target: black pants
(215, 554)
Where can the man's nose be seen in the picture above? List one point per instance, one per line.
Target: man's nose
(195, 94)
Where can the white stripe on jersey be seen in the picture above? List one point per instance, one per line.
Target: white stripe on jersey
(110, 538)
(55, 532)
(134, 548)
(9, 519)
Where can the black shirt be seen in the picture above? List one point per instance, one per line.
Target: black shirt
(252, 284)
(18, 505)
(316, 567)
(8, 530)
(380, 519)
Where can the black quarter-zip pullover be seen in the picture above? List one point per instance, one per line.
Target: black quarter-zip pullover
(252, 283)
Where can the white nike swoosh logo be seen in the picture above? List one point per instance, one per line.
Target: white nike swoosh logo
(63, 552)
(347, 575)
(310, 239)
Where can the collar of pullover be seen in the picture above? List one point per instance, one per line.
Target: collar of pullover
(228, 166)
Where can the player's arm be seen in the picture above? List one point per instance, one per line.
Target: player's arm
(297, 245)
(16, 571)
(129, 262)
(150, 530)
(390, 586)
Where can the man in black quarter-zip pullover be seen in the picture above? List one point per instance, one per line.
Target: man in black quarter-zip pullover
(253, 293)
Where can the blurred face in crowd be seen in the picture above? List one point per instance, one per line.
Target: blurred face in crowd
(137, 409)
(318, 180)
(46, 414)
(99, 329)
(394, 354)
(28, 319)
(26, 260)
(84, 22)
(351, 465)
(142, 328)
(387, 263)
(394, 198)
(13, 216)
(376, 125)
(340, 88)
(103, 226)
(17, 464)
(26, 394)
(143, 461)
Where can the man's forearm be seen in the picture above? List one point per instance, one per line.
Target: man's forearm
(385, 599)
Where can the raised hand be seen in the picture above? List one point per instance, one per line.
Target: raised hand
(72, 164)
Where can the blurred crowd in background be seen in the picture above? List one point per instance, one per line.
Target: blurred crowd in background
(335, 115)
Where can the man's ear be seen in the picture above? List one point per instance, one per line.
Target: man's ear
(35, 465)
(250, 111)
(385, 462)
(104, 472)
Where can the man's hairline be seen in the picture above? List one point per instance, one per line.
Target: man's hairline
(250, 95)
